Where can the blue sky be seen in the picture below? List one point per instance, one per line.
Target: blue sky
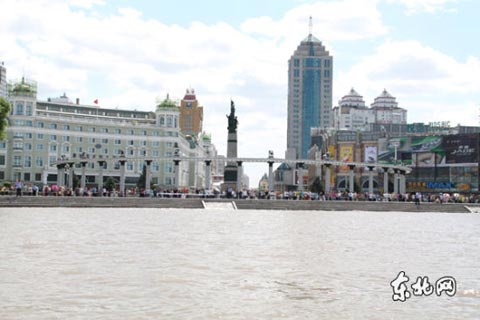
(129, 54)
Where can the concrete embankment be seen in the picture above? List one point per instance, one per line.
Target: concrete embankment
(195, 203)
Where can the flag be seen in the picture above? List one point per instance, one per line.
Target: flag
(95, 101)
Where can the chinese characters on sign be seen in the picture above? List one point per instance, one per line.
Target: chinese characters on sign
(421, 287)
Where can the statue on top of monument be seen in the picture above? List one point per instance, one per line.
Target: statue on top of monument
(232, 119)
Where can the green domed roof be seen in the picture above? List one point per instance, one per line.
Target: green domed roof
(167, 104)
(25, 88)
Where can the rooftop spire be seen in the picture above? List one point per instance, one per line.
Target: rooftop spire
(310, 26)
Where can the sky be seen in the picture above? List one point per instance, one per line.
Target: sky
(130, 54)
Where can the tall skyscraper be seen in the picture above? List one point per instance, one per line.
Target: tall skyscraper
(310, 73)
(3, 80)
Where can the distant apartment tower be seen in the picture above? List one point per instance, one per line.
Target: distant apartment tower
(310, 73)
(3, 80)
(352, 114)
(387, 111)
(191, 114)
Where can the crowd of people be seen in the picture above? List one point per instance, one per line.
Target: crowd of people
(18, 189)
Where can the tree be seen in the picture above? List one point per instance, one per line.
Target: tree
(4, 111)
(141, 179)
(110, 184)
(316, 185)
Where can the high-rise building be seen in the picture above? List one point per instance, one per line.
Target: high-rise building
(191, 114)
(310, 74)
(3, 80)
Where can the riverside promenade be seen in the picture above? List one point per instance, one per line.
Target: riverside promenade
(247, 204)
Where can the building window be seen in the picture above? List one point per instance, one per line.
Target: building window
(28, 135)
(51, 161)
(39, 136)
(53, 126)
(28, 161)
(38, 176)
(17, 161)
(79, 139)
(104, 130)
(39, 163)
(66, 138)
(66, 127)
(168, 167)
(168, 181)
(66, 149)
(129, 166)
(26, 176)
(105, 141)
(28, 109)
(118, 141)
(296, 63)
(19, 109)
(53, 137)
(53, 148)
(118, 131)
(40, 125)
(2, 160)
(39, 147)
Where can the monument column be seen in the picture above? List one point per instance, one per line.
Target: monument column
(385, 180)
(327, 179)
(402, 182)
(82, 180)
(61, 174)
(101, 166)
(270, 178)
(148, 176)
(370, 180)
(351, 176)
(239, 178)
(395, 181)
(122, 178)
(177, 173)
(70, 174)
(208, 174)
(231, 174)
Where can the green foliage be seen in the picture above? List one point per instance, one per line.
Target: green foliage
(141, 179)
(110, 184)
(316, 185)
(7, 184)
(4, 111)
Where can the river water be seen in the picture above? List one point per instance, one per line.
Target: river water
(58, 263)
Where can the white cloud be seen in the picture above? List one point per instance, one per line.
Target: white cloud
(332, 20)
(429, 6)
(410, 69)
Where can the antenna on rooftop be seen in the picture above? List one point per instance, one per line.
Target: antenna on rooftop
(310, 26)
